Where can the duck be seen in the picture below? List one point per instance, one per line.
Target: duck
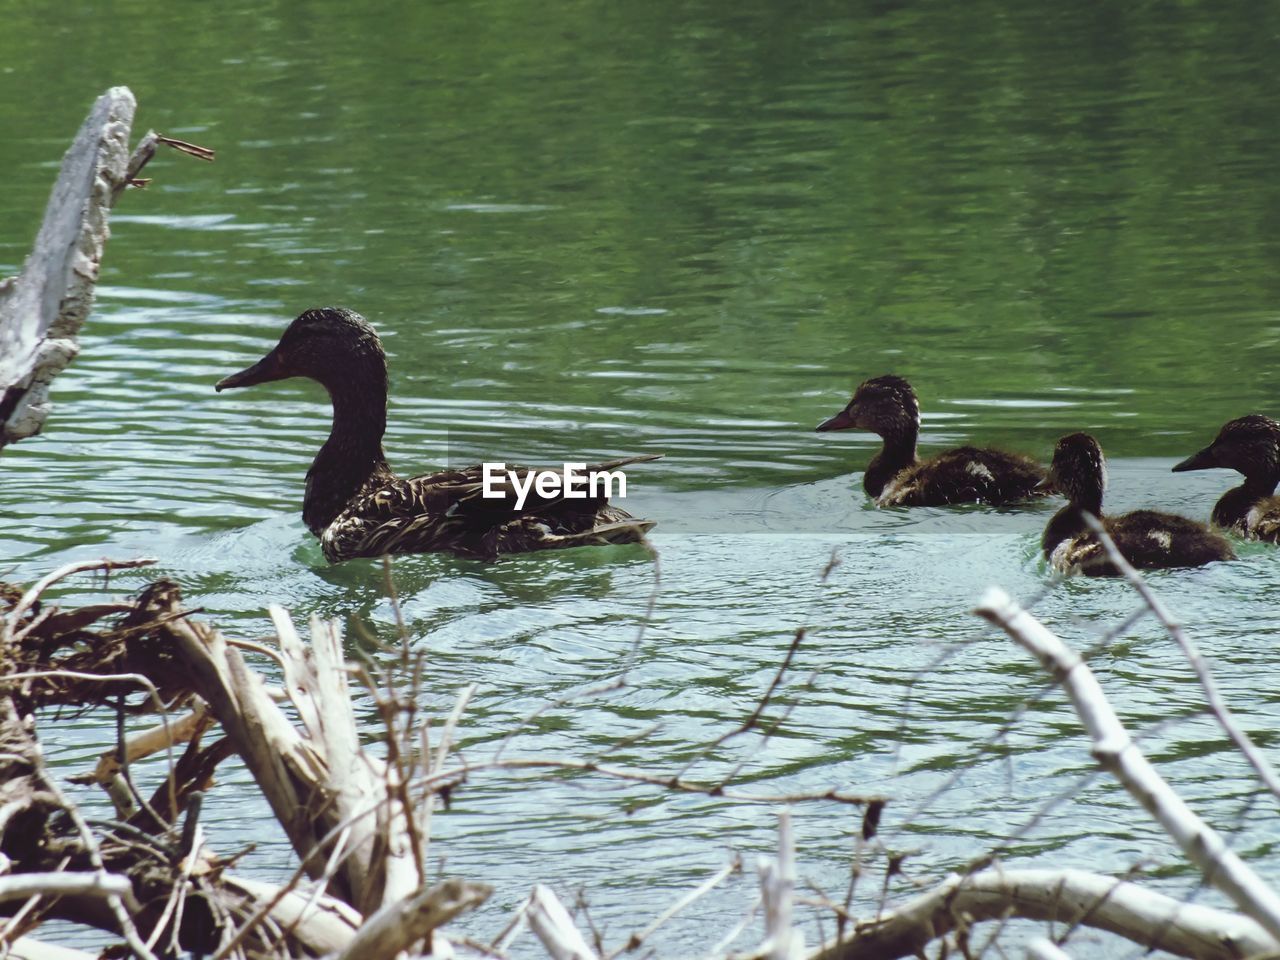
(1249, 445)
(897, 477)
(358, 507)
(1148, 539)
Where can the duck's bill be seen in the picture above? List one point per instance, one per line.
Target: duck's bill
(265, 370)
(1046, 485)
(841, 421)
(1197, 461)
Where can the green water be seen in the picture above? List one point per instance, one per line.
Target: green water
(587, 229)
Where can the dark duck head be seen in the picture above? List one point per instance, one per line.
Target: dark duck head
(1078, 472)
(1251, 446)
(888, 407)
(338, 349)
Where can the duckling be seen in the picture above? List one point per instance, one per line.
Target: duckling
(1251, 446)
(896, 477)
(1148, 539)
(356, 505)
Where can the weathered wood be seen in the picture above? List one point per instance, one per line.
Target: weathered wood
(44, 854)
(62, 884)
(42, 309)
(402, 923)
(777, 894)
(551, 923)
(1116, 752)
(28, 948)
(1063, 896)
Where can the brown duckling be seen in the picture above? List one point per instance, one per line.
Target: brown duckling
(358, 507)
(1148, 539)
(896, 477)
(1251, 446)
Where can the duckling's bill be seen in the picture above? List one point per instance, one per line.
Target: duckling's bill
(1203, 460)
(841, 421)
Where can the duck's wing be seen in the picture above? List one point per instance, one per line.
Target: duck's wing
(965, 475)
(1263, 521)
(1151, 539)
(449, 510)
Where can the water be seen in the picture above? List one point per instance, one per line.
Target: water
(593, 229)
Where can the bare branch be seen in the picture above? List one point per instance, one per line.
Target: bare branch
(23, 885)
(636, 940)
(33, 593)
(399, 925)
(1186, 930)
(1266, 773)
(551, 923)
(1116, 752)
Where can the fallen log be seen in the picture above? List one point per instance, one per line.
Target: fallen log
(43, 308)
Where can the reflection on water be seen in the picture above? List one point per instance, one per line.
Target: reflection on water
(592, 233)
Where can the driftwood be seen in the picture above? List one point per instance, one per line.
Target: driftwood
(1117, 753)
(43, 308)
(1064, 896)
(151, 878)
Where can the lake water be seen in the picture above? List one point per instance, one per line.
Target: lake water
(591, 229)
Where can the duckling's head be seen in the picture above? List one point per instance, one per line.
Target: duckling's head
(1249, 445)
(1078, 471)
(332, 345)
(883, 405)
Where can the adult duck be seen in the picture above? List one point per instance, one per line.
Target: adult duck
(356, 504)
(1251, 446)
(897, 477)
(1148, 539)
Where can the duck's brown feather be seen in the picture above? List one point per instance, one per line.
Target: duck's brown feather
(448, 511)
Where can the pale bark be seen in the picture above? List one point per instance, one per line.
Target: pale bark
(331, 795)
(1042, 949)
(400, 925)
(42, 309)
(777, 893)
(29, 948)
(1116, 752)
(551, 924)
(64, 884)
(1065, 896)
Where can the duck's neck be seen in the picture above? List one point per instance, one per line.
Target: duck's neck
(1233, 509)
(352, 457)
(898, 453)
(1069, 522)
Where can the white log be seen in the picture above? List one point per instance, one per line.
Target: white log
(324, 924)
(323, 786)
(20, 886)
(145, 743)
(1116, 752)
(42, 309)
(1042, 949)
(1065, 896)
(777, 893)
(551, 923)
(28, 948)
(398, 926)
(1217, 703)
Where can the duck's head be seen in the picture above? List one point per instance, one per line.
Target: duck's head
(1078, 471)
(884, 405)
(1250, 445)
(332, 345)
